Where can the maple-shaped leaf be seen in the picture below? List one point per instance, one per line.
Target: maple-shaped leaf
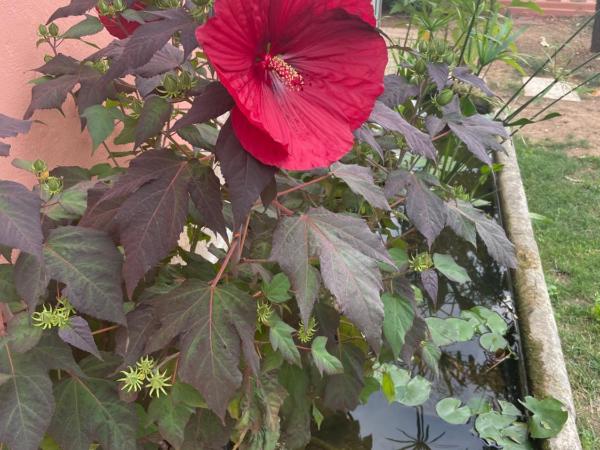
(155, 113)
(246, 176)
(88, 262)
(397, 91)
(51, 94)
(75, 8)
(54, 354)
(100, 214)
(20, 218)
(491, 233)
(215, 326)
(205, 192)
(342, 391)
(418, 142)
(26, 401)
(151, 220)
(280, 335)
(348, 252)
(167, 58)
(212, 102)
(360, 180)
(88, 410)
(478, 132)
(424, 208)
(465, 75)
(148, 39)
(10, 127)
(131, 341)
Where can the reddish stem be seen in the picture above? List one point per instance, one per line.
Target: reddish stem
(303, 185)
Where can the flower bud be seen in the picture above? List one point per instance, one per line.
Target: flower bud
(119, 5)
(39, 167)
(43, 30)
(420, 67)
(103, 8)
(53, 29)
(53, 185)
(444, 97)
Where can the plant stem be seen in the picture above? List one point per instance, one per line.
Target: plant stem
(105, 330)
(303, 185)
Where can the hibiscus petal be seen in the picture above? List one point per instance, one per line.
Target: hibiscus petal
(361, 8)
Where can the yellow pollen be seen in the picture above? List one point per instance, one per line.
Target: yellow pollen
(290, 76)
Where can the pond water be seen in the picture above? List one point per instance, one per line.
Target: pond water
(466, 371)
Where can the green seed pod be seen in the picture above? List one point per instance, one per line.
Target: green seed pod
(444, 97)
(43, 30)
(170, 83)
(53, 29)
(420, 67)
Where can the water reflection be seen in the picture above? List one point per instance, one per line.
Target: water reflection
(466, 371)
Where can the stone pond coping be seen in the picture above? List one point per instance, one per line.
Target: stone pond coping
(544, 359)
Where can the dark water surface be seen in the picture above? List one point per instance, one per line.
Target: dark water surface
(466, 371)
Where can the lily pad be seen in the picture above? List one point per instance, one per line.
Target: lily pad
(450, 410)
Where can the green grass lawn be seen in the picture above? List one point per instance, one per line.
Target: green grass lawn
(566, 191)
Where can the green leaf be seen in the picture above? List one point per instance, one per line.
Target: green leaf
(26, 401)
(214, 326)
(172, 412)
(155, 113)
(449, 331)
(490, 425)
(89, 410)
(415, 393)
(87, 27)
(549, 416)
(387, 387)
(398, 319)
(317, 416)
(8, 290)
(508, 409)
(349, 253)
(69, 204)
(493, 342)
(201, 135)
(451, 411)
(127, 134)
(493, 320)
(100, 123)
(446, 265)
(277, 290)
(88, 262)
(342, 391)
(399, 256)
(280, 335)
(325, 361)
(527, 4)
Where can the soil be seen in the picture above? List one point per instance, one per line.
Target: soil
(579, 122)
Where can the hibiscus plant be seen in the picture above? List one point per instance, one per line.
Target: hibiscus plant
(250, 257)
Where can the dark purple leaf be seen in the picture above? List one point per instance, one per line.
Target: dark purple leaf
(245, 175)
(155, 113)
(205, 191)
(4, 149)
(205, 431)
(212, 102)
(360, 180)
(418, 142)
(61, 65)
(364, 134)
(167, 58)
(75, 8)
(10, 127)
(71, 175)
(414, 339)
(429, 278)
(397, 182)
(51, 94)
(20, 218)
(348, 252)
(146, 86)
(30, 279)
(77, 333)
(295, 411)
(460, 224)
(425, 209)
(478, 132)
(148, 39)
(100, 214)
(151, 220)
(89, 264)
(291, 250)
(342, 391)
(397, 91)
(215, 326)
(434, 125)
(438, 72)
(465, 75)
(131, 341)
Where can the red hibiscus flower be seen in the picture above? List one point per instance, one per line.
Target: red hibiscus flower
(118, 26)
(303, 73)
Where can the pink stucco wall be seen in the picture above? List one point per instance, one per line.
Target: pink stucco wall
(60, 141)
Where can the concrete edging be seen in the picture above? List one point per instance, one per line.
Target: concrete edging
(544, 359)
